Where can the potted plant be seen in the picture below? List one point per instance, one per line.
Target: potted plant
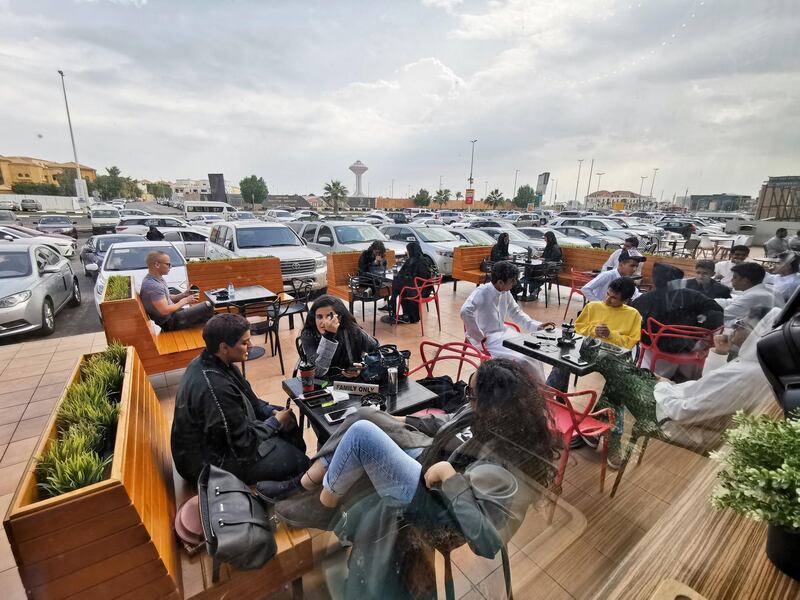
(760, 479)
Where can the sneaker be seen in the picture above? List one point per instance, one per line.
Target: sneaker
(305, 510)
(385, 308)
(272, 491)
(614, 462)
(592, 441)
(576, 442)
(388, 319)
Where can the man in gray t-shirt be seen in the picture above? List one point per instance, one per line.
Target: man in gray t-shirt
(169, 311)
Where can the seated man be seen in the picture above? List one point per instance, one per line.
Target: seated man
(704, 281)
(595, 290)
(722, 270)
(778, 244)
(786, 278)
(219, 420)
(748, 278)
(794, 243)
(168, 310)
(629, 248)
(489, 306)
(670, 303)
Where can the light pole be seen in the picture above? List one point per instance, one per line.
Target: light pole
(471, 162)
(577, 183)
(599, 175)
(555, 185)
(486, 190)
(80, 185)
(392, 188)
(589, 182)
(440, 181)
(641, 185)
(516, 172)
(653, 182)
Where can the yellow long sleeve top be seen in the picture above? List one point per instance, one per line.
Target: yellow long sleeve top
(625, 323)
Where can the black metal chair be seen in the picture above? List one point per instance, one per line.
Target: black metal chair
(533, 277)
(298, 305)
(368, 288)
(551, 278)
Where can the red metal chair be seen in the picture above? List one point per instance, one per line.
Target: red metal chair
(577, 281)
(508, 324)
(703, 338)
(568, 422)
(414, 294)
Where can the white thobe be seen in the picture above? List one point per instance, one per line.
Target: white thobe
(740, 306)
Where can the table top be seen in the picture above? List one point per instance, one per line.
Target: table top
(767, 260)
(411, 397)
(721, 238)
(242, 295)
(549, 352)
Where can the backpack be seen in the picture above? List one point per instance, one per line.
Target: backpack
(449, 396)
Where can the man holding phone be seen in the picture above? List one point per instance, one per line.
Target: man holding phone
(170, 311)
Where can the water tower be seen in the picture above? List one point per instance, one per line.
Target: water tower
(359, 169)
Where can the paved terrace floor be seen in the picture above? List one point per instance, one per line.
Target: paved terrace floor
(570, 558)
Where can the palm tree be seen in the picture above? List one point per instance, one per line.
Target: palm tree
(495, 198)
(335, 191)
(459, 195)
(442, 197)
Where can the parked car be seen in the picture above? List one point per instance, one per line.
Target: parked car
(398, 217)
(306, 215)
(205, 220)
(475, 237)
(104, 220)
(29, 204)
(515, 237)
(134, 212)
(343, 236)
(449, 216)
(6, 216)
(243, 215)
(602, 225)
(190, 241)
(95, 248)
(598, 239)
(680, 226)
(57, 224)
(480, 223)
(280, 216)
(62, 244)
(141, 225)
(430, 222)
(245, 239)
(423, 215)
(6, 204)
(119, 204)
(537, 233)
(436, 242)
(35, 284)
(373, 220)
(130, 258)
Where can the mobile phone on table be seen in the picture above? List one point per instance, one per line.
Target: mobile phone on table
(336, 416)
(575, 361)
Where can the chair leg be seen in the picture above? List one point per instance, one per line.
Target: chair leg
(421, 320)
(558, 292)
(546, 295)
(507, 571)
(291, 321)
(628, 451)
(641, 452)
(566, 310)
(297, 589)
(374, 316)
(280, 354)
(438, 314)
(604, 460)
(449, 587)
(363, 317)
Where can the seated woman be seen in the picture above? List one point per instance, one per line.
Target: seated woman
(478, 493)
(500, 249)
(332, 339)
(416, 265)
(550, 254)
(373, 260)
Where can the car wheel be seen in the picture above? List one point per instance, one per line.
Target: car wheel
(75, 300)
(48, 318)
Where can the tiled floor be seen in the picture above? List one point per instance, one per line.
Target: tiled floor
(569, 558)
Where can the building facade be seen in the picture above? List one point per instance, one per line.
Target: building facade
(720, 202)
(618, 199)
(779, 199)
(25, 169)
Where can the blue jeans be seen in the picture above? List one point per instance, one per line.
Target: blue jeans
(366, 449)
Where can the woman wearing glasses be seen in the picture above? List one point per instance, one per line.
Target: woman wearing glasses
(332, 339)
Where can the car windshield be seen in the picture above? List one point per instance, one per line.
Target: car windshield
(514, 234)
(477, 237)
(135, 259)
(266, 237)
(103, 244)
(534, 234)
(54, 221)
(104, 214)
(353, 234)
(436, 234)
(245, 216)
(14, 264)
(282, 213)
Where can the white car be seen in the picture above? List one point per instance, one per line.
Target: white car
(233, 239)
(205, 220)
(343, 236)
(130, 258)
(141, 225)
(537, 233)
(134, 212)
(243, 215)
(476, 237)
(7, 204)
(64, 245)
(515, 237)
(436, 242)
(104, 219)
(281, 216)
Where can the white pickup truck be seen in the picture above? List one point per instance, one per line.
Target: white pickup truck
(240, 239)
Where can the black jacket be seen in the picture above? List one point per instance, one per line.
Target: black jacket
(367, 265)
(552, 253)
(714, 290)
(218, 420)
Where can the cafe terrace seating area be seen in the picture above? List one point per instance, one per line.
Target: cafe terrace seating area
(658, 533)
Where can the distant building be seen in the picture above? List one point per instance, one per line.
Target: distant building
(606, 199)
(779, 199)
(24, 169)
(720, 202)
(286, 200)
(188, 187)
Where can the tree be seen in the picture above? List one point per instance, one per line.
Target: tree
(495, 198)
(422, 198)
(254, 190)
(160, 189)
(335, 192)
(66, 183)
(525, 195)
(442, 197)
(459, 195)
(112, 185)
(35, 189)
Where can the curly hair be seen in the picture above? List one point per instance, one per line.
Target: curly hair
(513, 420)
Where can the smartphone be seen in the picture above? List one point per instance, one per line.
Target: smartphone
(575, 361)
(335, 416)
(194, 289)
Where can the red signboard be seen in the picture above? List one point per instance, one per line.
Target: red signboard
(469, 196)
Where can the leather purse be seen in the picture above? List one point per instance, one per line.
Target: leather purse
(237, 527)
(377, 362)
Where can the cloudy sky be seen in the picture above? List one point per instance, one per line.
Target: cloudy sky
(295, 91)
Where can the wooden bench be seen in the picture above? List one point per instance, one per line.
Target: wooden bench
(215, 274)
(467, 263)
(341, 266)
(126, 321)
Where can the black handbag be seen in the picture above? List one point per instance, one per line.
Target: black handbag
(486, 265)
(236, 526)
(377, 362)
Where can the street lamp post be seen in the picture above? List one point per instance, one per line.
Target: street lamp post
(578, 182)
(516, 172)
(599, 175)
(471, 162)
(589, 183)
(80, 184)
(641, 185)
(653, 182)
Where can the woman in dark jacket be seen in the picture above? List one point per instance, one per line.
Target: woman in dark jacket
(477, 494)
(416, 265)
(552, 251)
(373, 260)
(332, 339)
(500, 249)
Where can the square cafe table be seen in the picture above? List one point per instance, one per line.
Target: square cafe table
(242, 296)
(550, 352)
(411, 397)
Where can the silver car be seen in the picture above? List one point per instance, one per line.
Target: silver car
(35, 284)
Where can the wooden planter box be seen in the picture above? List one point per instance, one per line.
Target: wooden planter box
(214, 274)
(586, 259)
(113, 537)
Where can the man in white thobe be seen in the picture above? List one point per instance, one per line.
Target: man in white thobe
(748, 279)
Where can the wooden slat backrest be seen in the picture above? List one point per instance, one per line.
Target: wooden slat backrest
(209, 275)
(341, 265)
(469, 258)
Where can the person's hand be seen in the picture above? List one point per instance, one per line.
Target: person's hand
(190, 299)
(722, 344)
(332, 323)
(549, 326)
(439, 473)
(602, 330)
(284, 417)
(351, 372)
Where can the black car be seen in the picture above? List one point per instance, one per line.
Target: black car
(95, 248)
(57, 224)
(685, 228)
(398, 217)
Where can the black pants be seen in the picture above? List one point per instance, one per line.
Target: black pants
(189, 317)
(284, 462)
